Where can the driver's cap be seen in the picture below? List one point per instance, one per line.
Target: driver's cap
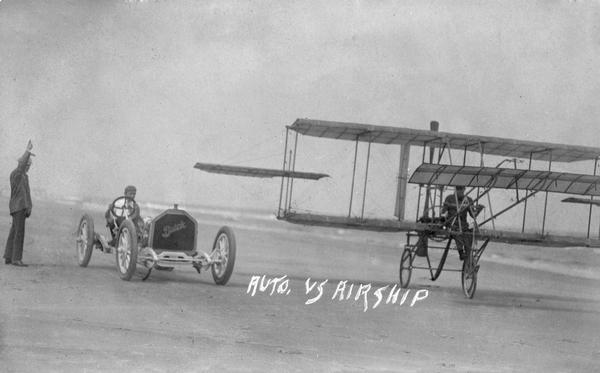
(130, 188)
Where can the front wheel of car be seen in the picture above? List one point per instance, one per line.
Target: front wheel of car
(126, 250)
(224, 255)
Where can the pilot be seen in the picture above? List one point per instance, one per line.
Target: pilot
(130, 192)
(458, 221)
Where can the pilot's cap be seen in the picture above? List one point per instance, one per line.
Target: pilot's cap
(130, 189)
(460, 187)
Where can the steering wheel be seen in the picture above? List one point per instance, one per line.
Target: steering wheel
(122, 207)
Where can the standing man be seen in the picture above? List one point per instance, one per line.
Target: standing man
(20, 209)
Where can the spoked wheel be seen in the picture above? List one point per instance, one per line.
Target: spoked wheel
(126, 251)
(145, 263)
(405, 268)
(224, 253)
(469, 276)
(85, 240)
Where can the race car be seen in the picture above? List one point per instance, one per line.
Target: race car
(159, 243)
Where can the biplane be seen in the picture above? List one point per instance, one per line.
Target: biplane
(437, 177)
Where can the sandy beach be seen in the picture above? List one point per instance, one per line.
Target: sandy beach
(531, 312)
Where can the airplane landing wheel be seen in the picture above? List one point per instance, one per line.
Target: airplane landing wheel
(405, 268)
(469, 277)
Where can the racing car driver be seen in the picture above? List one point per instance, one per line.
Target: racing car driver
(130, 192)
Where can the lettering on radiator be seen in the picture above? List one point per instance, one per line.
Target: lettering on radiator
(367, 295)
(170, 229)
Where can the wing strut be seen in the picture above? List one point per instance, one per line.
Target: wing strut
(546, 198)
(591, 201)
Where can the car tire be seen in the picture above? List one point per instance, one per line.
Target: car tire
(225, 244)
(85, 240)
(126, 250)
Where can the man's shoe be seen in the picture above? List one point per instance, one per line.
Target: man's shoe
(19, 263)
(461, 254)
(7, 261)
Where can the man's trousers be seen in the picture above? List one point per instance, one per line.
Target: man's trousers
(16, 237)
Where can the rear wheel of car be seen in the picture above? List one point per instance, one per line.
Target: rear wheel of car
(126, 250)
(224, 254)
(85, 240)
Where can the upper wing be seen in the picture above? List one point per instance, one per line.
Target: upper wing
(506, 178)
(489, 145)
(256, 172)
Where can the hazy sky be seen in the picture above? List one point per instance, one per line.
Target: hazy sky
(118, 92)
